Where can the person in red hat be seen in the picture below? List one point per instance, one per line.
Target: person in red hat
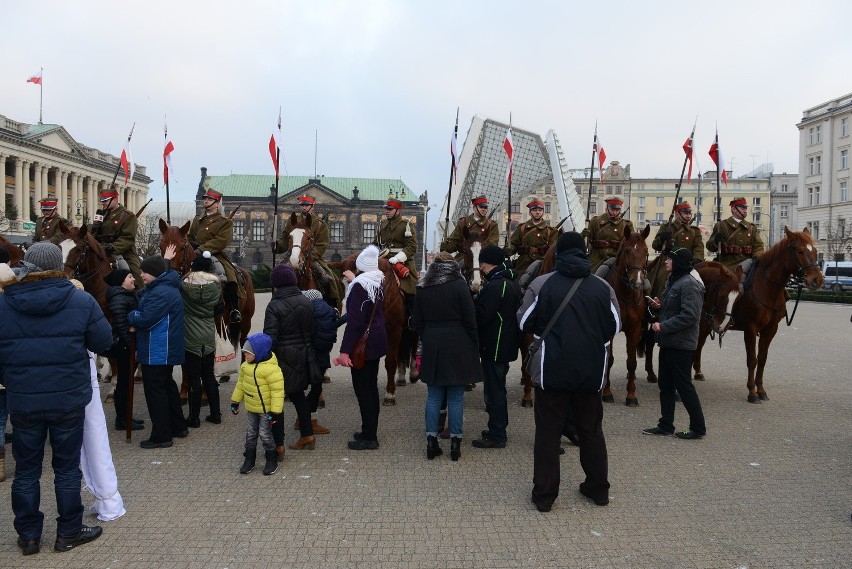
(397, 241)
(47, 225)
(735, 239)
(211, 231)
(115, 228)
(606, 231)
(319, 229)
(679, 234)
(532, 239)
(477, 222)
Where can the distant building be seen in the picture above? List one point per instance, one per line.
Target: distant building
(43, 160)
(784, 205)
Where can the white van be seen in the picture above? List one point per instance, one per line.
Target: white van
(838, 275)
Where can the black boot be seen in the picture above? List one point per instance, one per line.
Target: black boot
(455, 448)
(271, 466)
(231, 297)
(433, 449)
(248, 463)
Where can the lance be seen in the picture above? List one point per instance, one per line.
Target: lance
(591, 179)
(236, 209)
(275, 195)
(141, 209)
(509, 184)
(118, 166)
(718, 192)
(166, 168)
(558, 225)
(453, 166)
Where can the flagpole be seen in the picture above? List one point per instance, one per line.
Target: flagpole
(40, 95)
(168, 206)
(509, 184)
(118, 166)
(453, 166)
(718, 225)
(686, 157)
(275, 205)
(591, 178)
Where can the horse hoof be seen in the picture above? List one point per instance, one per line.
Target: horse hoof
(652, 379)
(763, 396)
(526, 403)
(400, 382)
(608, 399)
(225, 379)
(753, 399)
(699, 376)
(389, 401)
(413, 379)
(469, 387)
(321, 403)
(522, 381)
(632, 402)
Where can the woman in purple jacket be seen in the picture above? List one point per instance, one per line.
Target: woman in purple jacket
(363, 300)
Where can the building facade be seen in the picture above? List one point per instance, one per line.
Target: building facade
(783, 205)
(43, 160)
(824, 203)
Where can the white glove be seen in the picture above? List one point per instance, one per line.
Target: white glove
(398, 258)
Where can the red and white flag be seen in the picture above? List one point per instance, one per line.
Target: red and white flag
(127, 163)
(167, 158)
(455, 154)
(716, 155)
(598, 147)
(509, 148)
(687, 148)
(275, 145)
(36, 78)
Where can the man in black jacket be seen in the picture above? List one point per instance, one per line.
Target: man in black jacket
(499, 337)
(573, 372)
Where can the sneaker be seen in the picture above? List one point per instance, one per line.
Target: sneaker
(488, 442)
(29, 546)
(688, 434)
(181, 434)
(656, 431)
(153, 444)
(363, 445)
(541, 506)
(86, 535)
(599, 500)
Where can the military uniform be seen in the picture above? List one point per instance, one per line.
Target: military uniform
(740, 241)
(605, 236)
(683, 235)
(487, 228)
(47, 229)
(530, 241)
(118, 232)
(213, 232)
(398, 236)
(319, 229)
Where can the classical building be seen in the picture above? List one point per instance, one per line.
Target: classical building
(783, 205)
(43, 160)
(824, 204)
(352, 208)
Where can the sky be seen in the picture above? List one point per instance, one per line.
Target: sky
(374, 85)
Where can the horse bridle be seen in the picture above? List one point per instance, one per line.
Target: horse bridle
(305, 252)
(84, 277)
(625, 279)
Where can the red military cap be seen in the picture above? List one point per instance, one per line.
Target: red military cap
(393, 204)
(107, 195)
(682, 206)
(48, 203)
(739, 202)
(479, 200)
(213, 194)
(306, 200)
(614, 201)
(536, 203)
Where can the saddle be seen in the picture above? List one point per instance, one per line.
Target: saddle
(531, 273)
(748, 266)
(605, 268)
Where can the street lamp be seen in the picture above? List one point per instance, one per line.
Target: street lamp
(81, 215)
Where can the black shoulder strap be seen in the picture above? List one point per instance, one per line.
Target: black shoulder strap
(562, 307)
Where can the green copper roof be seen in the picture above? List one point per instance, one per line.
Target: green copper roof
(253, 186)
(37, 129)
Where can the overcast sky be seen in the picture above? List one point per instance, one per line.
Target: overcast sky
(380, 80)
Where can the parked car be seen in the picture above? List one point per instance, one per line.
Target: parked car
(838, 275)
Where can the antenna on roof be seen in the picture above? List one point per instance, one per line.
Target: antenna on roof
(316, 144)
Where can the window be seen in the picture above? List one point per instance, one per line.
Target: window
(546, 207)
(810, 166)
(818, 164)
(640, 186)
(844, 127)
(813, 227)
(844, 191)
(661, 202)
(813, 195)
(609, 189)
(783, 211)
(755, 218)
(548, 190)
(335, 232)
(258, 230)
(698, 201)
(641, 201)
(784, 187)
(593, 208)
(811, 135)
(239, 228)
(659, 217)
(369, 231)
(516, 207)
(818, 134)
(755, 201)
(844, 159)
(640, 217)
(257, 259)
(841, 228)
(618, 190)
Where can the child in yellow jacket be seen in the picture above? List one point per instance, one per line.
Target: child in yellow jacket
(261, 385)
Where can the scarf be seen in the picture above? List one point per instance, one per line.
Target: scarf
(440, 272)
(371, 282)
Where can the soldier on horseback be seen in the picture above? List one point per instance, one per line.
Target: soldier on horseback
(47, 224)
(326, 278)
(531, 241)
(115, 228)
(211, 231)
(735, 239)
(605, 233)
(677, 234)
(397, 241)
(477, 222)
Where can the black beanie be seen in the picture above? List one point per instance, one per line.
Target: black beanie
(493, 255)
(681, 260)
(202, 263)
(116, 277)
(570, 240)
(153, 265)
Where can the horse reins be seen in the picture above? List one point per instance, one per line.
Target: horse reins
(85, 277)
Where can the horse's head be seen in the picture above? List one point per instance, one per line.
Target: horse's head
(470, 248)
(184, 252)
(722, 289)
(15, 252)
(631, 261)
(82, 255)
(802, 258)
(301, 241)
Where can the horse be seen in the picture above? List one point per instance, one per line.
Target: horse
(236, 333)
(402, 342)
(301, 256)
(470, 248)
(16, 254)
(721, 291)
(85, 260)
(762, 305)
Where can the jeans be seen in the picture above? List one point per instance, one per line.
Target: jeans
(494, 389)
(198, 370)
(163, 399)
(365, 383)
(257, 425)
(455, 408)
(676, 374)
(65, 429)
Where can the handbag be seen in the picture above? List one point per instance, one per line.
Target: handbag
(359, 351)
(534, 362)
(312, 366)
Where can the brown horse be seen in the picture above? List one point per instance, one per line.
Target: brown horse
(16, 254)
(721, 291)
(301, 257)
(470, 248)
(761, 307)
(402, 342)
(86, 261)
(184, 254)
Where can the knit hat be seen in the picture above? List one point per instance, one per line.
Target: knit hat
(493, 255)
(312, 294)
(45, 256)
(153, 265)
(116, 277)
(247, 347)
(681, 260)
(368, 259)
(202, 263)
(570, 240)
(282, 275)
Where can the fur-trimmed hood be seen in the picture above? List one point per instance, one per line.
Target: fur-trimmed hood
(40, 293)
(440, 272)
(201, 278)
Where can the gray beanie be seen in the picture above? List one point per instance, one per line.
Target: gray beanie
(45, 256)
(153, 265)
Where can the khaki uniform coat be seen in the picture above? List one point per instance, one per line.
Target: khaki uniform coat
(481, 225)
(683, 235)
(397, 235)
(47, 229)
(119, 228)
(213, 232)
(605, 235)
(740, 241)
(530, 241)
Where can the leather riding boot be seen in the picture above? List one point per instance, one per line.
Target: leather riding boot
(304, 443)
(455, 448)
(319, 429)
(279, 450)
(433, 449)
(231, 297)
(248, 463)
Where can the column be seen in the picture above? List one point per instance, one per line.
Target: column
(3, 180)
(45, 190)
(90, 199)
(19, 187)
(61, 193)
(37, 189)
(75, 195)
(25, 210)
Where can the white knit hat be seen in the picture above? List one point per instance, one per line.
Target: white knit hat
(368, 259)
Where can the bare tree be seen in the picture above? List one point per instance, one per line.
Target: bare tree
(148, 236)
(838, 242)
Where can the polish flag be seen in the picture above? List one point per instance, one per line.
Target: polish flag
(455, 155)
(716, 155)
(167, 158)
(601, 156)
(687, 148)
(35, 78)
(127, 163)
(509, 148)
(275, 145)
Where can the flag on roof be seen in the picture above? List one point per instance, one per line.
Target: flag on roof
(598, 147)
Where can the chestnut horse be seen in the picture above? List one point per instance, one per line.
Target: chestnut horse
(184, 254)
(470, 248)
(300, 248)
(721, 291)
(86, 261)
(402, 342)
(761, 307)
(16, 254)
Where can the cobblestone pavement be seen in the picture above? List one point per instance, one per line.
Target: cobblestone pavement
(769, 486)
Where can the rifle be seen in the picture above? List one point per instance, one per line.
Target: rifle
(558, 225)
(141, 209)
(623, 213)
(236, 209)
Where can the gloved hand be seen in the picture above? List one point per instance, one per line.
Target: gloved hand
(665, 235)
(717, 237)
(394, 260)
(109, 249)
(585, 233)
(235, 408)
(271, 419)
(193, 244)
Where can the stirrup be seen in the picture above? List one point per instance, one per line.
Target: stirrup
(236, 317)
